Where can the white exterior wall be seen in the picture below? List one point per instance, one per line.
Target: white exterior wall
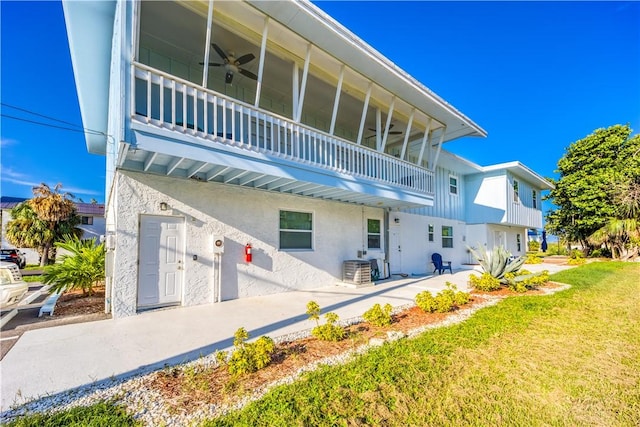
(242, 216)
(522, 211)
(415, 247)
(486, 198)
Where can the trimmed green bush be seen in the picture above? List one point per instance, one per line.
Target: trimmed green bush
(379, 316)
(250, 357)
(486, 282)
(329, 331)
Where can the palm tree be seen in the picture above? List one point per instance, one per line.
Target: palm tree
(622, 233)
(42, 221)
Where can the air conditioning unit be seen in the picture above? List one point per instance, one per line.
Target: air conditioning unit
(357, 272)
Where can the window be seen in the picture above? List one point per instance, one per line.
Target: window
(453, 184)
(516, 196)
(534, 196)
(373, 233)
(518, 242)
(447, 236)
(296, 230)
(87, 220)
(431, 232)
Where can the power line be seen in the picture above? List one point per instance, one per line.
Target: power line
(80, 130)
(38, 114)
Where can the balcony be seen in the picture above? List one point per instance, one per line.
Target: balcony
(184, 130)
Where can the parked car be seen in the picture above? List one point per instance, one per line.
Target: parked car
(14, 256)
(12, 287)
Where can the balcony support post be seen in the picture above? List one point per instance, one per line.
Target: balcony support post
(364, 113)
(207, 46)
(336, 102)
(263, 50)
(406, 134)
(424, 141)
(388, 125)
(303, 86)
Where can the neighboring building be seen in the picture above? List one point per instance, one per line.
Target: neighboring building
(299, 140)
(91, 216)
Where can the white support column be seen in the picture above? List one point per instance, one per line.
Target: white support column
(207, 46)
(406, 134)
(424, 142)
(378, 129)
(364, 113)
(263, 51)
(303, 87)
(435, 158)
(296, 89)
(388, 124)
(336, 102)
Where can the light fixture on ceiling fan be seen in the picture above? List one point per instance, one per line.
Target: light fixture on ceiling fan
(232, 64)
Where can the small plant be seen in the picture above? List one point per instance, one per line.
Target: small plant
(486, 282)
(534, 246)
(576, 261)
(444, 301)
(249, 357)
(525, 280)
(379, 316)
(329, 331)
(533, 259)
(426, 302)
(497, 263)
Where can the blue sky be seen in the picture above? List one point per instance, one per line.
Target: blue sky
(536, 75)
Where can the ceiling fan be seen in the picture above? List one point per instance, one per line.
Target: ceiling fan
(391, 132)
(232, 64)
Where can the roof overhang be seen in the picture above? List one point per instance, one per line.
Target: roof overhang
(523, 172)
(90, 33)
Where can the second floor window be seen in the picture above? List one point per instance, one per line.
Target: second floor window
(516, 195)
(534, 196)
(296, 230)
(447, 236)
(431, 232)
(373, 233)
(453, 184)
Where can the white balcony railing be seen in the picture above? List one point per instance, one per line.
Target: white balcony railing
(168, 102)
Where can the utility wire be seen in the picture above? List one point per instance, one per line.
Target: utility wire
(80, 130)
(39, 115)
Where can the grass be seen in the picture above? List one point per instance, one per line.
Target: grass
(572, 358)
(32, 279)
(568, 359)
(98, 415)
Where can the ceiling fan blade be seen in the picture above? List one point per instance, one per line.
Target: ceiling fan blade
(228, 78)
(248, 74)
(220, 51)
(245, 58)
(213, 64)
(395, 132)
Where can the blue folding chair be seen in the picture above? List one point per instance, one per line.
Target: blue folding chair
(440, 265)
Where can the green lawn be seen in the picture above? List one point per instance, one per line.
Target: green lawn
(569, 359)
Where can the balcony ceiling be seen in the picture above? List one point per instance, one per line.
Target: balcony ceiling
(238, 27)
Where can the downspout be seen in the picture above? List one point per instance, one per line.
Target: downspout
(386, 240)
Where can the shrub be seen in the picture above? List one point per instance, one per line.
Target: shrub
(486, 282)
(576, 254)
(83, 269)
(498, 262)
(525, 280)
(379, 316)
(533, 259)
(576, 261)
(600, 253)
(534, 246)
(444, 301)
(250, 357)
(329, 331)
(426, 301)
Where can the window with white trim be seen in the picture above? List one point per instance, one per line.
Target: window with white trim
(296, 230)
(453, 184)
(431, 232)
(516, 195)
(447, 236)
(534, 196)
(518, 242)
(373, 234)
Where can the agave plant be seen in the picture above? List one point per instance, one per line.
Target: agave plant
(498, 262)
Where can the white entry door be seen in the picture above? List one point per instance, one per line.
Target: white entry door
(395, 250)
(161, 260)
(499, 238)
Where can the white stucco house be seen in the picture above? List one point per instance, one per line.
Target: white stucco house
(299, 140)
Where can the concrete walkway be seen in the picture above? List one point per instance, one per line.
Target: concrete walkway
(51, 360)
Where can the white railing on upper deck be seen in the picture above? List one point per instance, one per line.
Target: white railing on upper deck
(166, 101)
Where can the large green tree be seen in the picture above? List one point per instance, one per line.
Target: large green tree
(596, 174)
(43, 220)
